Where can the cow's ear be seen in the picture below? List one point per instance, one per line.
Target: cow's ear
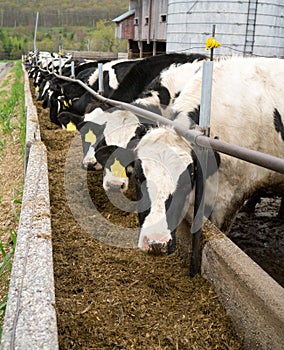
(65, 118)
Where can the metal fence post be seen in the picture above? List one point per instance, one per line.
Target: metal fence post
(101, 79)
(72, 70)
(201, 169)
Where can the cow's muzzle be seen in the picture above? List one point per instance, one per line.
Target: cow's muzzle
(91, 166)
(114, 186)
(158, 248)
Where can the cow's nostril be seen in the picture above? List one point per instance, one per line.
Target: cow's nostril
(88, 166)
(157, 248)
(91, 166)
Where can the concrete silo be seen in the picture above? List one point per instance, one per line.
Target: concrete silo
(243, 27)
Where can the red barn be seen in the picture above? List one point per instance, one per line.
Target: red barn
(144, 26)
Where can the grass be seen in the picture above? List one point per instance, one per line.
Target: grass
(12, 132)
(2, 147)
(7, 251)
(13, 101)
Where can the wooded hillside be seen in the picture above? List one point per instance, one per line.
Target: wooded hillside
(66, 24)
(54, 13)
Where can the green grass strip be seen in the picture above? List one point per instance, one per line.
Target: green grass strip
(12, 104)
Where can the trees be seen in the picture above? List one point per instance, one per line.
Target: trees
(73, 25)
(104, 38)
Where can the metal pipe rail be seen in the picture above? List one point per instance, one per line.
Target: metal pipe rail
(243, 153)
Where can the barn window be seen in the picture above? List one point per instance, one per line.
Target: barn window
(163, 18)
(136, 21)
(146, 21)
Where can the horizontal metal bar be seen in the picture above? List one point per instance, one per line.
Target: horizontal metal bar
(246, 154)
(259, 158)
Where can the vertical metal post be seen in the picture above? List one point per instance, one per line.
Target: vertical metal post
(212, 50)
(35, 48)
(60, 65)
(201, 170)
(72, 70)
(101, 79)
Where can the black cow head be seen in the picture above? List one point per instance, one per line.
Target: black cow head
(70, 121)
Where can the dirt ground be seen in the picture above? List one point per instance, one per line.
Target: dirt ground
(261, 236)
(113, 296)
(11, 177)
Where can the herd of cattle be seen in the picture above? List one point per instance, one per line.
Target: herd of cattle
(247, 109)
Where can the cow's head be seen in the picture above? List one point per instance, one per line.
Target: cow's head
(92, 138)
(70, 121)
(55, 104)
(164, 169)
(118, 161)
(118, 164)
(114, 128)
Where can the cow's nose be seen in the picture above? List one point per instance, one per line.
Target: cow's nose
(154, 247)
(91, 166)
(158, 248)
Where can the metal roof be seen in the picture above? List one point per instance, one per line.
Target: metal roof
(124, 16)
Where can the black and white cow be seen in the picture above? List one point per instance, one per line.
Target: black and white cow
(54, 90)
(247, 109)
(82, 71)
(49, 62)
(128, 80)
(111, 127)
(72, 97)
(108, 131)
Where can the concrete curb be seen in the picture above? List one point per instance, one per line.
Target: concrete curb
(32, 125)
(30, 318)
(254, 301)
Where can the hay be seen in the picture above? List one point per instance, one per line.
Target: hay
(120, 298)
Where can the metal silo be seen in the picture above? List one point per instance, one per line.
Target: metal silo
(242, 27)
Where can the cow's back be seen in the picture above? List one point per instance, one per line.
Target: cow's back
(247, 110)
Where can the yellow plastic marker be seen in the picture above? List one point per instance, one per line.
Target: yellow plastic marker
(117, 169)
(90, 137)
(37, 88)
(71, 126)
(211, 43)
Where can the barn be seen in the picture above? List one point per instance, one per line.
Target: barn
(248, 27)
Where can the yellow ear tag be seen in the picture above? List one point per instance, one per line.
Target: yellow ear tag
(117, 169)
(90, 137)
(70, 102)
(71, 126)
(37, 88)
(65, 103)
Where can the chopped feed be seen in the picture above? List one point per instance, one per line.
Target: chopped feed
(116, 297)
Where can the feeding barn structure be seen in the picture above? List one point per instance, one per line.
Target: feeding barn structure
(244, 27)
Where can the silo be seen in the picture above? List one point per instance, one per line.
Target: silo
(243, 27)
